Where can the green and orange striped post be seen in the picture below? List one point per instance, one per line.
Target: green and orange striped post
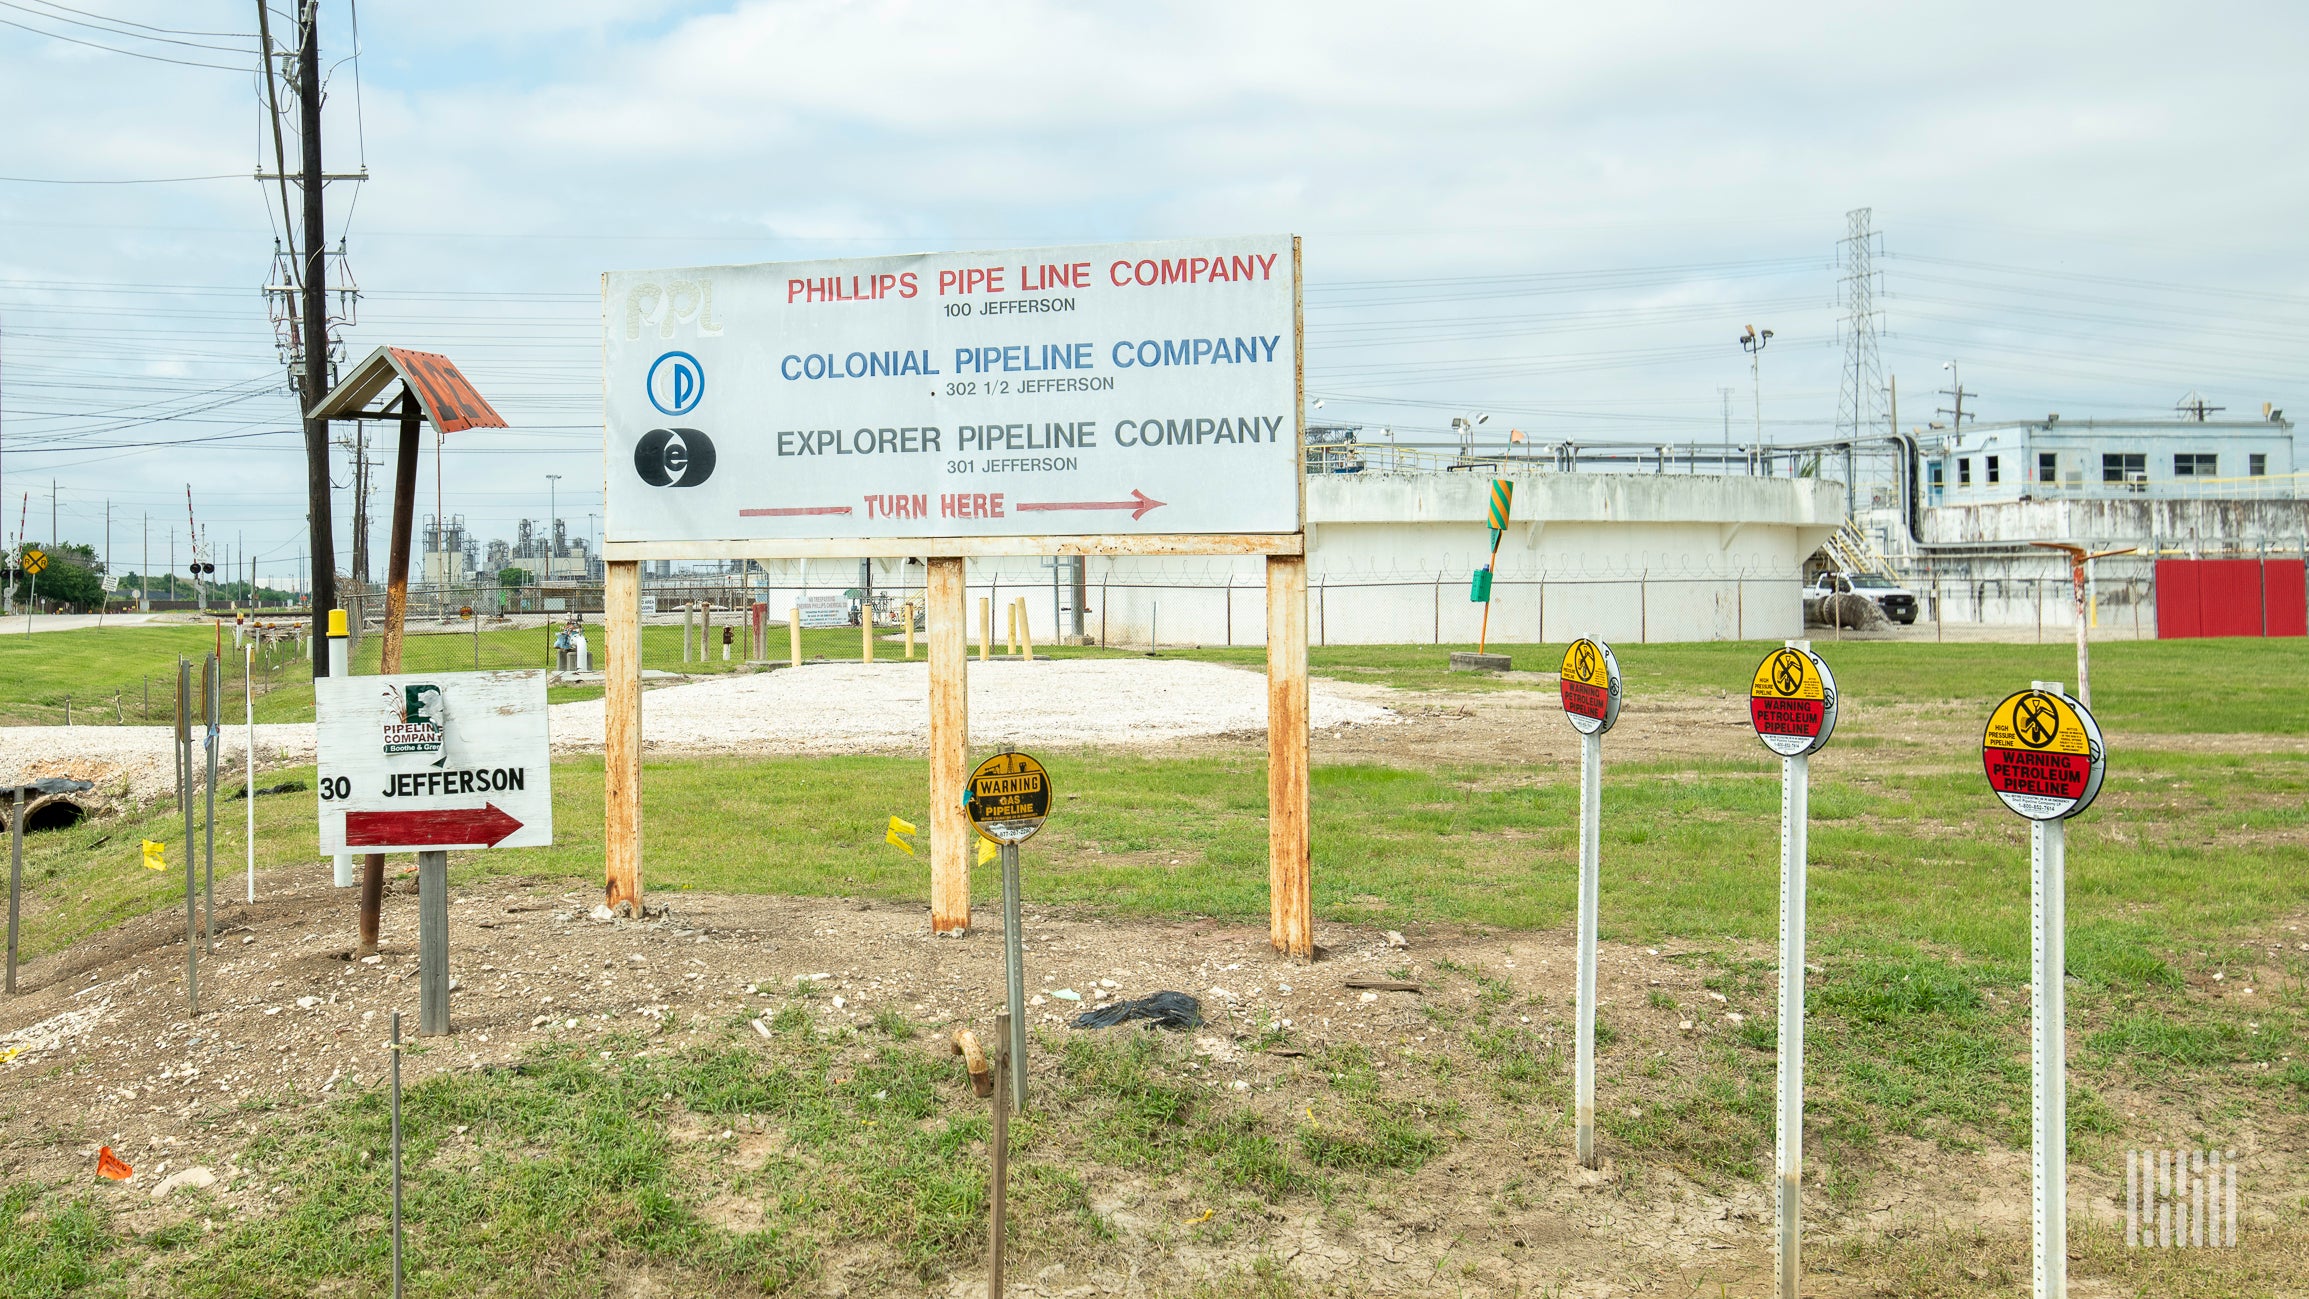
(1502, 494)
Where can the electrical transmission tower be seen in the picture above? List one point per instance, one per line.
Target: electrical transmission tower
(1859, 406)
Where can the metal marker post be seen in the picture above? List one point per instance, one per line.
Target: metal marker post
(211, 691)
(249, 702)
(2048, 860)
(339, 667)
(396, 1053)
(1014, 963)
(432, 943)
(998, 1191)
(1590, 855)
(1788, 1149)
(15, 880)
(191, 878)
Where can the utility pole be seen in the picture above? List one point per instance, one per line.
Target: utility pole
(313, 356)
(1725, 465)
(1956, 394)
(144, 569)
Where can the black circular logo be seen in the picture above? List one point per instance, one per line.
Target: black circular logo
(1787, 672)
(2036, 719)
(674, 457)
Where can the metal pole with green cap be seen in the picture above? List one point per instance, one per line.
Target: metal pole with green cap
(1502, 492)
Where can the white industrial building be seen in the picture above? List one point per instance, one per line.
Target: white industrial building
(1635, 557)
(2059, 459)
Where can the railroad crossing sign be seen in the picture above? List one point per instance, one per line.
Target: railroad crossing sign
(1007, 797)
(1591, 686)
(35, 561)
(2043, 755)
(429, 763)
(1792, 702)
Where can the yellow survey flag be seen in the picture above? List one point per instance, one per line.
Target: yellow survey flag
(896, 839)
(153, 850)
(987, 851)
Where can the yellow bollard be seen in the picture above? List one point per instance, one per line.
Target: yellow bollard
(866, 631)
(909, 629)
(1025, 631)
(1011, 641)
(985, 630)
(794, 631)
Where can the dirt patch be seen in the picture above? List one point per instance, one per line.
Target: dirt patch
(106, 1053)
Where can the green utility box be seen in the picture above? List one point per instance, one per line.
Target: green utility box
(1479, 591)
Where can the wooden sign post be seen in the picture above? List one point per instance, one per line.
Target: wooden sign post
(912, 424)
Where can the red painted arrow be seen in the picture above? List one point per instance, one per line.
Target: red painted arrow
(1138, 505)
(793, 511)
(486, 825)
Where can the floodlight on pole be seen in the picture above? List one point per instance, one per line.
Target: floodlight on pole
(1753, 342)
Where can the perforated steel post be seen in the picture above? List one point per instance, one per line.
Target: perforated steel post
(211, 692)
(1014, 969)
(2048, 852)
(1590, 854)
(15, 880)
(184, 797)
(1788, 1149)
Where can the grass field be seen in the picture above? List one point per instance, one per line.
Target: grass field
(2193, 865)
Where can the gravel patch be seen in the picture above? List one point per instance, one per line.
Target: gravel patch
(818, 708)
(885, 708)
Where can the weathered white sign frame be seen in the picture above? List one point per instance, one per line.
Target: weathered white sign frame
(1281, 540)
(470, 767)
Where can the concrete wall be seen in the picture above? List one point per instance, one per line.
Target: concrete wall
(2224, 525)
(1633, 556)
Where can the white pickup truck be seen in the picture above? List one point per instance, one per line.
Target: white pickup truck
(1897, 601)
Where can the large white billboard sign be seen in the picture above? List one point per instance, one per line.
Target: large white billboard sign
(1117, 389)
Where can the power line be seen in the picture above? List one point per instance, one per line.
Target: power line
(140, 180)
(114, 49)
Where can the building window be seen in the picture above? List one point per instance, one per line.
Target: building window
(2257, 464)
(1992, 474)
(2196, 464)
(2129, 469)
(1964, 472)
(2047, 467)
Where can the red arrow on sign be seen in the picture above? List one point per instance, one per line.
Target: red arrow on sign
(793, 511)
(487, 825)
(1138, 505)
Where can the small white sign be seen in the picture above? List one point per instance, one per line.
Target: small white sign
(824, 610)
(649, 606)
(429, 762)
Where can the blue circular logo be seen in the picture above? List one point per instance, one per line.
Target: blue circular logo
(677, 383)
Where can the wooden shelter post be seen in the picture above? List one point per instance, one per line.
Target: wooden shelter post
(1290, 886)
(950, 834)
(621, 732)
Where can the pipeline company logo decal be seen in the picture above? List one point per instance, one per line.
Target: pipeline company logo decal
(676, 383)
(674, 457)
(423, 721)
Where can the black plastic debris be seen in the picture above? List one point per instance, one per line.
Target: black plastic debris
(285, 787)
(1163, 1010)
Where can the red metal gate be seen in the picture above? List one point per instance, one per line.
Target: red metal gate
(2231, 597)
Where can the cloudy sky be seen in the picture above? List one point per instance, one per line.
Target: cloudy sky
(1560, 214)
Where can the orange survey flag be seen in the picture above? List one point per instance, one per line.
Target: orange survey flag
(110, 1165)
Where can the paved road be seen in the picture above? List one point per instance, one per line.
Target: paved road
(23, 624)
